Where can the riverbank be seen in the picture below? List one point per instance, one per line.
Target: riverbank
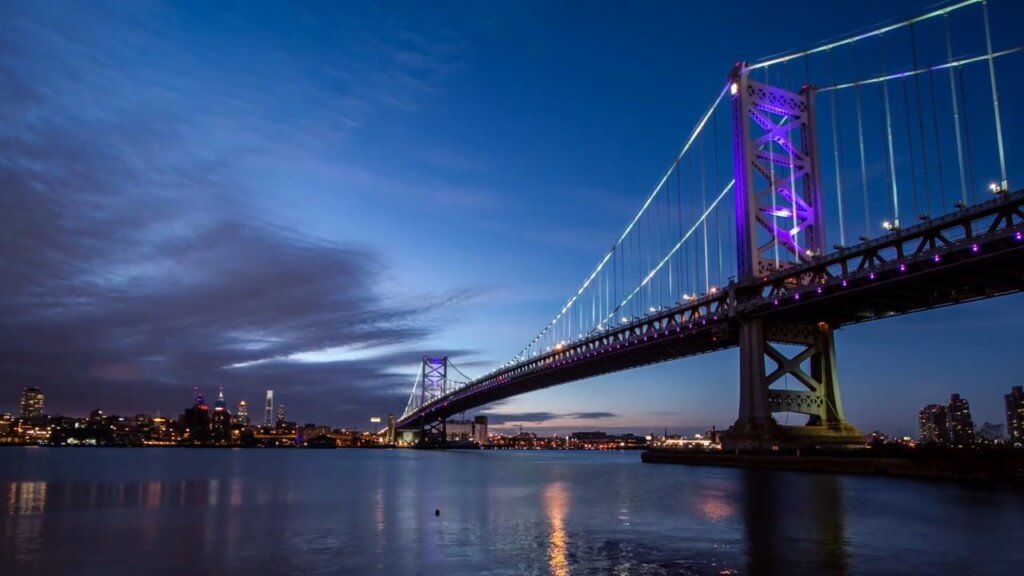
(971, 465)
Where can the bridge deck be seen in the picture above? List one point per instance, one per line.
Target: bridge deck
(969, 255)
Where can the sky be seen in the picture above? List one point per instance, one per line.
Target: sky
(309, 196)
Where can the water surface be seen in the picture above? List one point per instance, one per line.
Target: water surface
(226, 512)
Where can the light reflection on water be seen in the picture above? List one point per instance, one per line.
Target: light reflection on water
(372, 512)
(555, 505)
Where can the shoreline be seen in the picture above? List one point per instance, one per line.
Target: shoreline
(963, 466)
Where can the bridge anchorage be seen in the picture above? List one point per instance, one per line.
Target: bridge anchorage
(775, 160)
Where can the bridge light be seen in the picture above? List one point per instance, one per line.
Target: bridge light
(651, 309)
(997, 189)
(734, 88)
(810, 253)
(888, 226)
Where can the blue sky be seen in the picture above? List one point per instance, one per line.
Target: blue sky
(307, 197)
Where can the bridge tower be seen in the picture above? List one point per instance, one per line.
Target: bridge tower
(434, 378)
(780, 222)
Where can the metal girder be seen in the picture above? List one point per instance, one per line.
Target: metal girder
(778, 196)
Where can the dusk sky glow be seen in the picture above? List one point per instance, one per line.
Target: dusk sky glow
(309, 197)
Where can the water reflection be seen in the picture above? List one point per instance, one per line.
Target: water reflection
(25, 498)
(783, 510)
(555, 506)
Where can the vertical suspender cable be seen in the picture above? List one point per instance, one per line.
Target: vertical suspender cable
(910, 146)
(657, 248)
(836, 152)
(718, 213)
(704, 209)
(667, 298)
(860, 138)
(1005, 184)
(920, 122)
(956, 112)
(967, 133)
(888, 132)
(938, 149)
(679, 207)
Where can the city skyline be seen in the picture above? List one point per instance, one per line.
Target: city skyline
(274, 246)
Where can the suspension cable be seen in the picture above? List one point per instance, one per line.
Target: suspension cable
(1005, 184)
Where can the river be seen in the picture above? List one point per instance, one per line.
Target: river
(339, 512)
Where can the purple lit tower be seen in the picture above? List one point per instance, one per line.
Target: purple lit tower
(779, 220)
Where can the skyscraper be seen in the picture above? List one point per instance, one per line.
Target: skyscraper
(243, 413)
(280, 413)
(961, 426)
(1015, 415)
(391, 429)
(220, 406)
(31, 403)
(934, 425)
(268, 416)
(220, 421)
(196, 420)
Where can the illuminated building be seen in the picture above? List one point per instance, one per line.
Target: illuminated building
(933, 424)
(961, 426)
(195, 421)
(268, 415)
(468, 430)
(243, 413)
(480, 430)
(391, 429)
(1015, 415)
(280, 414)
(31, 403)
(220, 422)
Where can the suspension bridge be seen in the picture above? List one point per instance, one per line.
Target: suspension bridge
(853, 181)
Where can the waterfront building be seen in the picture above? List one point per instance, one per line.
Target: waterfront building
(961, 425)
(467, 430)
(391, 429)
(933, 424)
(1015, 415)
(220, 422)
(31, 403)
(243, 413)
(480, 435)
(268, 415)
(195, 421)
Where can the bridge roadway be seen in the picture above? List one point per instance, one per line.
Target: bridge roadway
(967, 255)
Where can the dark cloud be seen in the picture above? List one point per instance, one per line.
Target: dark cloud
(130, 270)
(499, 418)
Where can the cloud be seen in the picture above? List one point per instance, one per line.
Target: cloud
(499, 418)
(132, 267)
